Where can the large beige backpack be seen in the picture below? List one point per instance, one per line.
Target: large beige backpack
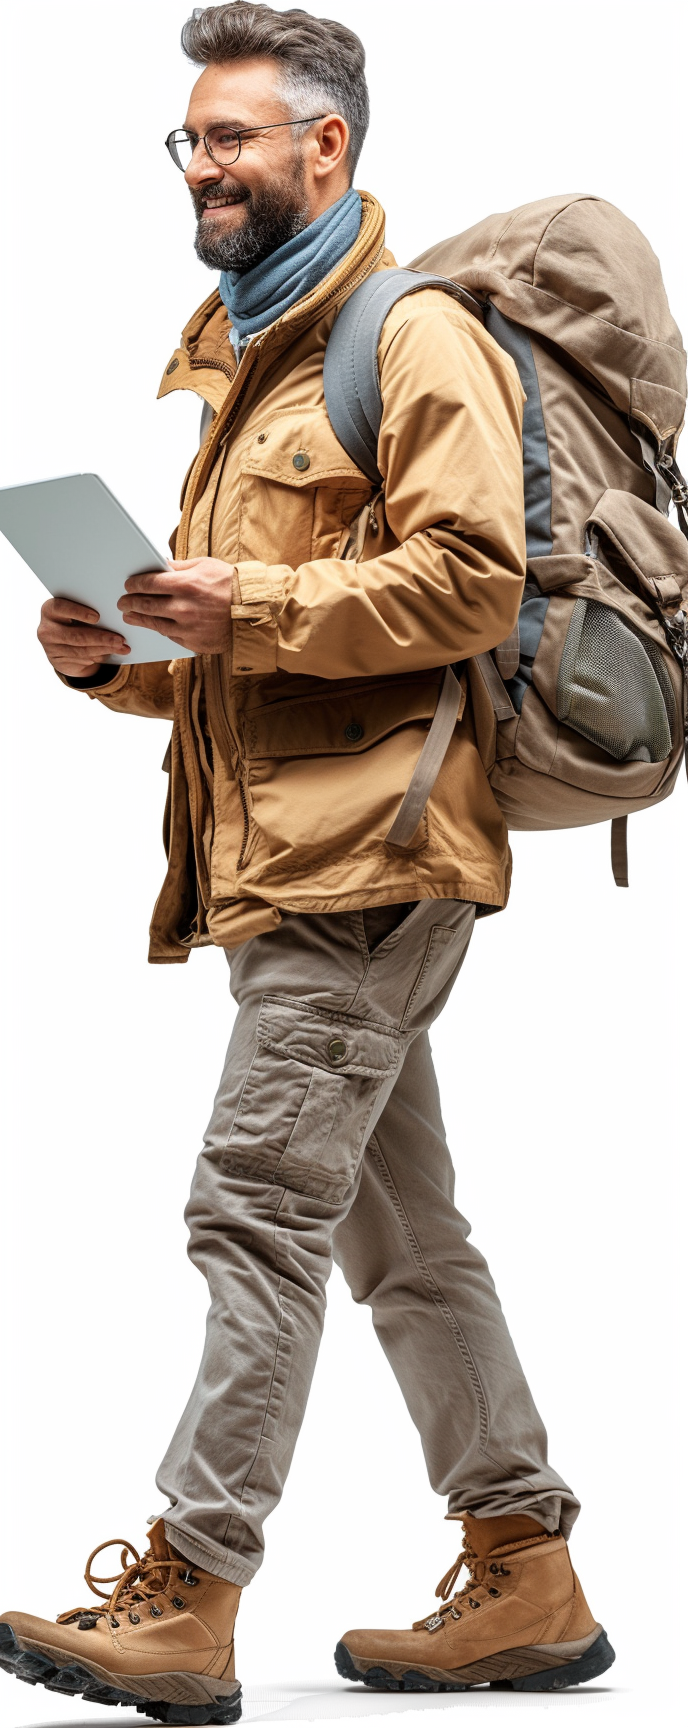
(581, 714)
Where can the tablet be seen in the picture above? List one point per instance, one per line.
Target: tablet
(82, 545)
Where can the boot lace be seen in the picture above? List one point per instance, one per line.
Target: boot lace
(142, 1578)
(479, 1571)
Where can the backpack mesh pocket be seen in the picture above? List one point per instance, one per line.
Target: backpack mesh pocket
(613, 687)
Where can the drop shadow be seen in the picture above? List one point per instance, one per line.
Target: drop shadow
(310, 1703)
(322, 1704)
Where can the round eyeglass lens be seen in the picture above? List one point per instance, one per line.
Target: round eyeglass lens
(180, 146)
(223, 144)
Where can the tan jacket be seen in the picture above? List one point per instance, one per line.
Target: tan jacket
(290, 755)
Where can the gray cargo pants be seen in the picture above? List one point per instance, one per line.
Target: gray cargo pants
(326, 1139)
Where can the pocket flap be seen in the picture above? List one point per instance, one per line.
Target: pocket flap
(338, 721)
(651, 546)
(298, 447)
(338, 1043)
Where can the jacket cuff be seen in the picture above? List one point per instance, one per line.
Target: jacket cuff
(107, 677)
(262, 591)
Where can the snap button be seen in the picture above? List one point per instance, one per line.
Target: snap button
(353, 732)
(172, 367)
(261, 438)
(336, 1049)
(301, 461)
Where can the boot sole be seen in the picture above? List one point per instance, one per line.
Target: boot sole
(396, 1678)
(38, 1665)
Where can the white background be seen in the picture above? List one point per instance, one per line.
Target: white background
(562, 1055)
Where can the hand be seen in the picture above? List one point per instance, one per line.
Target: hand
(191, 602)
(73, 645)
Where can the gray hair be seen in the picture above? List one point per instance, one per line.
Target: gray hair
(322, 63)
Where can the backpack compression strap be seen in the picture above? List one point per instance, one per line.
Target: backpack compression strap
(350, 374)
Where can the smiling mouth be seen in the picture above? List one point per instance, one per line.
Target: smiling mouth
(221, 203)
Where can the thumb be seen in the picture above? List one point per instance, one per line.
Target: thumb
(182, 563)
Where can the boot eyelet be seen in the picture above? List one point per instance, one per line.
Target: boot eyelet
(187, 1578)
(114, 1623)
(177, 1602)
(494, 1592)
(135, 1618)
(455, 1613)
(505, 1571)
(472, 1603)
(155, 1611)
(494, 1568)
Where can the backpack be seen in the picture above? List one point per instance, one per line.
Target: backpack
(581, 715)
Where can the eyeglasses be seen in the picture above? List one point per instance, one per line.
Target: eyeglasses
(222, 143)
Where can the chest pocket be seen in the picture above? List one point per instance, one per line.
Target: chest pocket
(299, 489)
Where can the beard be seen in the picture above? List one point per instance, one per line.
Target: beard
(274, 214)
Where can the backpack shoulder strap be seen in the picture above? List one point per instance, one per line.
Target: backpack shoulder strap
(350, 374)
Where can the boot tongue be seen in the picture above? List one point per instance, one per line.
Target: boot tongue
(157, 1541)
(486, 1534)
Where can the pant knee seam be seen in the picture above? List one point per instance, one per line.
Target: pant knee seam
(434, 1291)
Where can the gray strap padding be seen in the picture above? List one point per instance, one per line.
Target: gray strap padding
(351, 377)
(537, 478)
(620, 851)
(428, 765)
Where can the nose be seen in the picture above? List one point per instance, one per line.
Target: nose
(202, 170)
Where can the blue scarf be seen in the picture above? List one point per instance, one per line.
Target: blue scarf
(255, 298)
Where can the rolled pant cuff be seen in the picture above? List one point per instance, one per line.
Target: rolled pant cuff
(220, 1561)
(556, 1511)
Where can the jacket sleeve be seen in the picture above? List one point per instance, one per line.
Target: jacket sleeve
(450, 454)
(146, 690)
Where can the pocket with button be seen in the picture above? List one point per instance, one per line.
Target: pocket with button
(299, 490)
(341, 723)
(303, 1116)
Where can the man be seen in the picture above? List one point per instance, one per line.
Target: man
(321, 619)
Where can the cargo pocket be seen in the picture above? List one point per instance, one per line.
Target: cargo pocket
(303, 1115)
(613, 687)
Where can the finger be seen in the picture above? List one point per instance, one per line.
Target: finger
(149, 582)
(65, 609)
(158, 604)
(183, 563)
(79, 668)
(149, 621)
(72, 636)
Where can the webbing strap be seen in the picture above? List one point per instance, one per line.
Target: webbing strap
(428, 765)
(508, 654)
(620, 851)
(351, 379)
(496, 690)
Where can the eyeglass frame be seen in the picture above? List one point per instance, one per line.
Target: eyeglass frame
(240, 132)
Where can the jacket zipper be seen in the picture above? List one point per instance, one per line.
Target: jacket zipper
(244, 806)
(217, 366)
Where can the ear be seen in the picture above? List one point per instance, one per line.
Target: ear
(332, 138)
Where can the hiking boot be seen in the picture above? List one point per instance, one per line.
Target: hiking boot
(161, 1642)
(521, 1622)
